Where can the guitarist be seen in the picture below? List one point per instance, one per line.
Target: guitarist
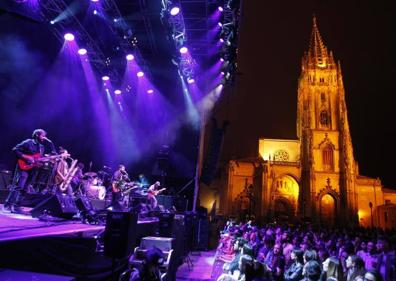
(23, 178)
(120, 177)
(153, 191)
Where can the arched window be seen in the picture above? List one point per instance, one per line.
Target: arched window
(281, 155)
(328, 158)
(324, 118)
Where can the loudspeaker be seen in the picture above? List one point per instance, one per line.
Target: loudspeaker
(165, 226)
(120, 234)
(59, 205)
(163, 243)
(5, 179)
(84, 204)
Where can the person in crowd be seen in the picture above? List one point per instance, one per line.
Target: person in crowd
(386, 260)
(275, 263)
(332, 270)
(150, 270)
(355, 268)
(294, 272)
(312, 271)
(372, 275)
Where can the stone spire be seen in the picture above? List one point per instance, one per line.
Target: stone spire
(317, 52)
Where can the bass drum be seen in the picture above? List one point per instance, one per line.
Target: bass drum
(96, 192)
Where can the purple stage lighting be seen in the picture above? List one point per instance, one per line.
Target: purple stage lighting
(105, 78)
(221, 59)
(222, 73)
(95, 12)
(221, 40)
(190, 80)
(150, 91)
(69, 37)
(220, 24)
(183, 50)
(95, 0)
(174, 11)
(130, 57)
(117, 92)
(140, 74)
(82, 51)
(220, 8)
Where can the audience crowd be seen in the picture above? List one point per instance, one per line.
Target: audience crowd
(294, 253)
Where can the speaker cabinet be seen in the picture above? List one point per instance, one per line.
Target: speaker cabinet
(59, 205)
(84, 204)
(120, 234)
(165, 226)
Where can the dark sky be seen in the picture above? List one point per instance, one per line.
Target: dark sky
(273, 37)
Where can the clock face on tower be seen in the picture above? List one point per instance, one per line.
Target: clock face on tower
(281, 155)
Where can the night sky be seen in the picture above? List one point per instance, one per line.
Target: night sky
(273, 38)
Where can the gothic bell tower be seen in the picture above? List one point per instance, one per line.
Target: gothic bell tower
(327, 162)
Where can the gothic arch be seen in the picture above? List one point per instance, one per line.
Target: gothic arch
(287, 188)
(326, 215)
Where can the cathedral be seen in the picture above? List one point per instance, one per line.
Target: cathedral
(312, 178)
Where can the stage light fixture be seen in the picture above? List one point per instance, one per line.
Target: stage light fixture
(140, 74)
(220, 9)
(150, 91)
(52, 22)
(95, 12)
(183, 50)
(220, 24)
(221, 59)
(105, 78)
(117, 92)
(82, 51)
(190, 80)
(221, 40)
(69, 37)
(94, 0)
(130, 57)
(174, 11)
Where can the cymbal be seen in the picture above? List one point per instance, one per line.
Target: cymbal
(90, 174)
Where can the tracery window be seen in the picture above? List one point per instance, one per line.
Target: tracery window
(328, 158)
(324, 118)
(281, 155)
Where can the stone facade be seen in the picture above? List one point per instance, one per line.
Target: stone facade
(314, 177)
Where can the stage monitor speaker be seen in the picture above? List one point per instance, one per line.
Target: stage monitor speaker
(120, 234)
(59, 205)
(165, 244)
(84, 204)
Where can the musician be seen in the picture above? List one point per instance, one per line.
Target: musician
(24, 178)
(153, 191)
(62, 171)
(78, 177)
(120, 177)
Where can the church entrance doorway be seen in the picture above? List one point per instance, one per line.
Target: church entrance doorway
(327, 210)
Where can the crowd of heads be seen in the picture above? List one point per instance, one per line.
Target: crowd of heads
(293, 253)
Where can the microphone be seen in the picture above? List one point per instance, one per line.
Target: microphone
(47, 139)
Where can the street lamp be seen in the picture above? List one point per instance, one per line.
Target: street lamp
(371, 212)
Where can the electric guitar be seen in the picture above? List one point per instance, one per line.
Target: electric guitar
(155, 192)
(36, 160)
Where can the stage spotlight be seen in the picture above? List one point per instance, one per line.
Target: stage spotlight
(82, 51)
(117, 92)
(94, 0)
(222, 73)
(105, 78)
(183, 50)
(221, 40)
(52, 22)
(220, 8)
(174, 11)
(140, 74)
(220, 24)
(95, 12)
(190, 80)
(69, 37)
(150, 91)
(221, 59)
(130, 57)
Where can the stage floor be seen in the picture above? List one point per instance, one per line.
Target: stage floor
(18, 226)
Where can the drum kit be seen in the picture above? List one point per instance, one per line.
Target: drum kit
(93, 186)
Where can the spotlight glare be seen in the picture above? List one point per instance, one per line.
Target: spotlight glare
(221, 40)
(69, 37)
(221, 59)
(105, 78)
(140, 74)
(220, 24)
(130, 57)
(174, 11)
(117, 92)
(190, 80)
(150, 91)
(52, 22)
(95, 12)
(82, 51)
(220, 8)
(183, 50)
(95, 0)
